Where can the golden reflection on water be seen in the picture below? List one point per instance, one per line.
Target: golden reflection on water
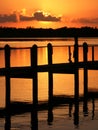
(60, 54)
(42, 56)
(21, 89)
(20, 57)
(63, 84)
(2, 61)
(2, 91)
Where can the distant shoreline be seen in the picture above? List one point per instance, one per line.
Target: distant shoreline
(48, 33)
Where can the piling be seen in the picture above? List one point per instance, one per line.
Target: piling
(76, 90)
(76, 81)
(85, 51)
(50, 83)
(34, 85)
(7, 85)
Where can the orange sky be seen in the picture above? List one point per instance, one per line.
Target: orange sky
(49, 13)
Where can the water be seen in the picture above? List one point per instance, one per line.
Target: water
(21, 89)
(62, 119)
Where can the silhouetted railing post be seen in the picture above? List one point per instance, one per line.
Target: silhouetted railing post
(85, 51)
(34, 116)
(76, 90)
(7, 83)
(50, 83)
(76, 69)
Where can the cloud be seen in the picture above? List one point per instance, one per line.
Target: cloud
(86, 20)
(8, 18)
(26, 18)
(38, 16)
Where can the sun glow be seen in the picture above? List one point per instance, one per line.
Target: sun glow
(23, 11)
(55, 13)
(45, 24)
(46, 14)
(43, 12)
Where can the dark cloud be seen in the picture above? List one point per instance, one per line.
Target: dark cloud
(86, 20)
(8, 18)
(41, 17)
(38, 16)
(26, 18)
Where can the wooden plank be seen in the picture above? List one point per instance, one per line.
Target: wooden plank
(67, 68)
(89, 64)
(17, 72)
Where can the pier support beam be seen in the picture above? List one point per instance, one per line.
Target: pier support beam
(7, 83)
(50, 85)
(85, 51)
(76, 85)
(34, 116)
(76, 70)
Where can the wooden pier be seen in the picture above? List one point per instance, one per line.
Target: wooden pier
(63, 68)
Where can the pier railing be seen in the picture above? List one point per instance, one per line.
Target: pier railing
(71, 67)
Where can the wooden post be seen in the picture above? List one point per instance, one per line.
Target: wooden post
(35, 78)
(76, 91)
(85, 51)
(50, 84)
(34, 116)
(7, 83)
(76, 70)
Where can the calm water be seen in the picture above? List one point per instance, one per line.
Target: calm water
(21, 89)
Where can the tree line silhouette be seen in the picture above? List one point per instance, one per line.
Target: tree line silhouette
(49, 32)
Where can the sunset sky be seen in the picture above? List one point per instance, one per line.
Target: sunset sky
(48, 13)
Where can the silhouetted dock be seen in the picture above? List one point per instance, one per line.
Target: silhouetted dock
(72, 67)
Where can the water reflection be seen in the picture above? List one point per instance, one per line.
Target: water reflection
(93, 108)
(85, 111)
(85, 108)
(76, 114)
(70, 109)
(7, 120)
(50, 115)
(34, 119)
